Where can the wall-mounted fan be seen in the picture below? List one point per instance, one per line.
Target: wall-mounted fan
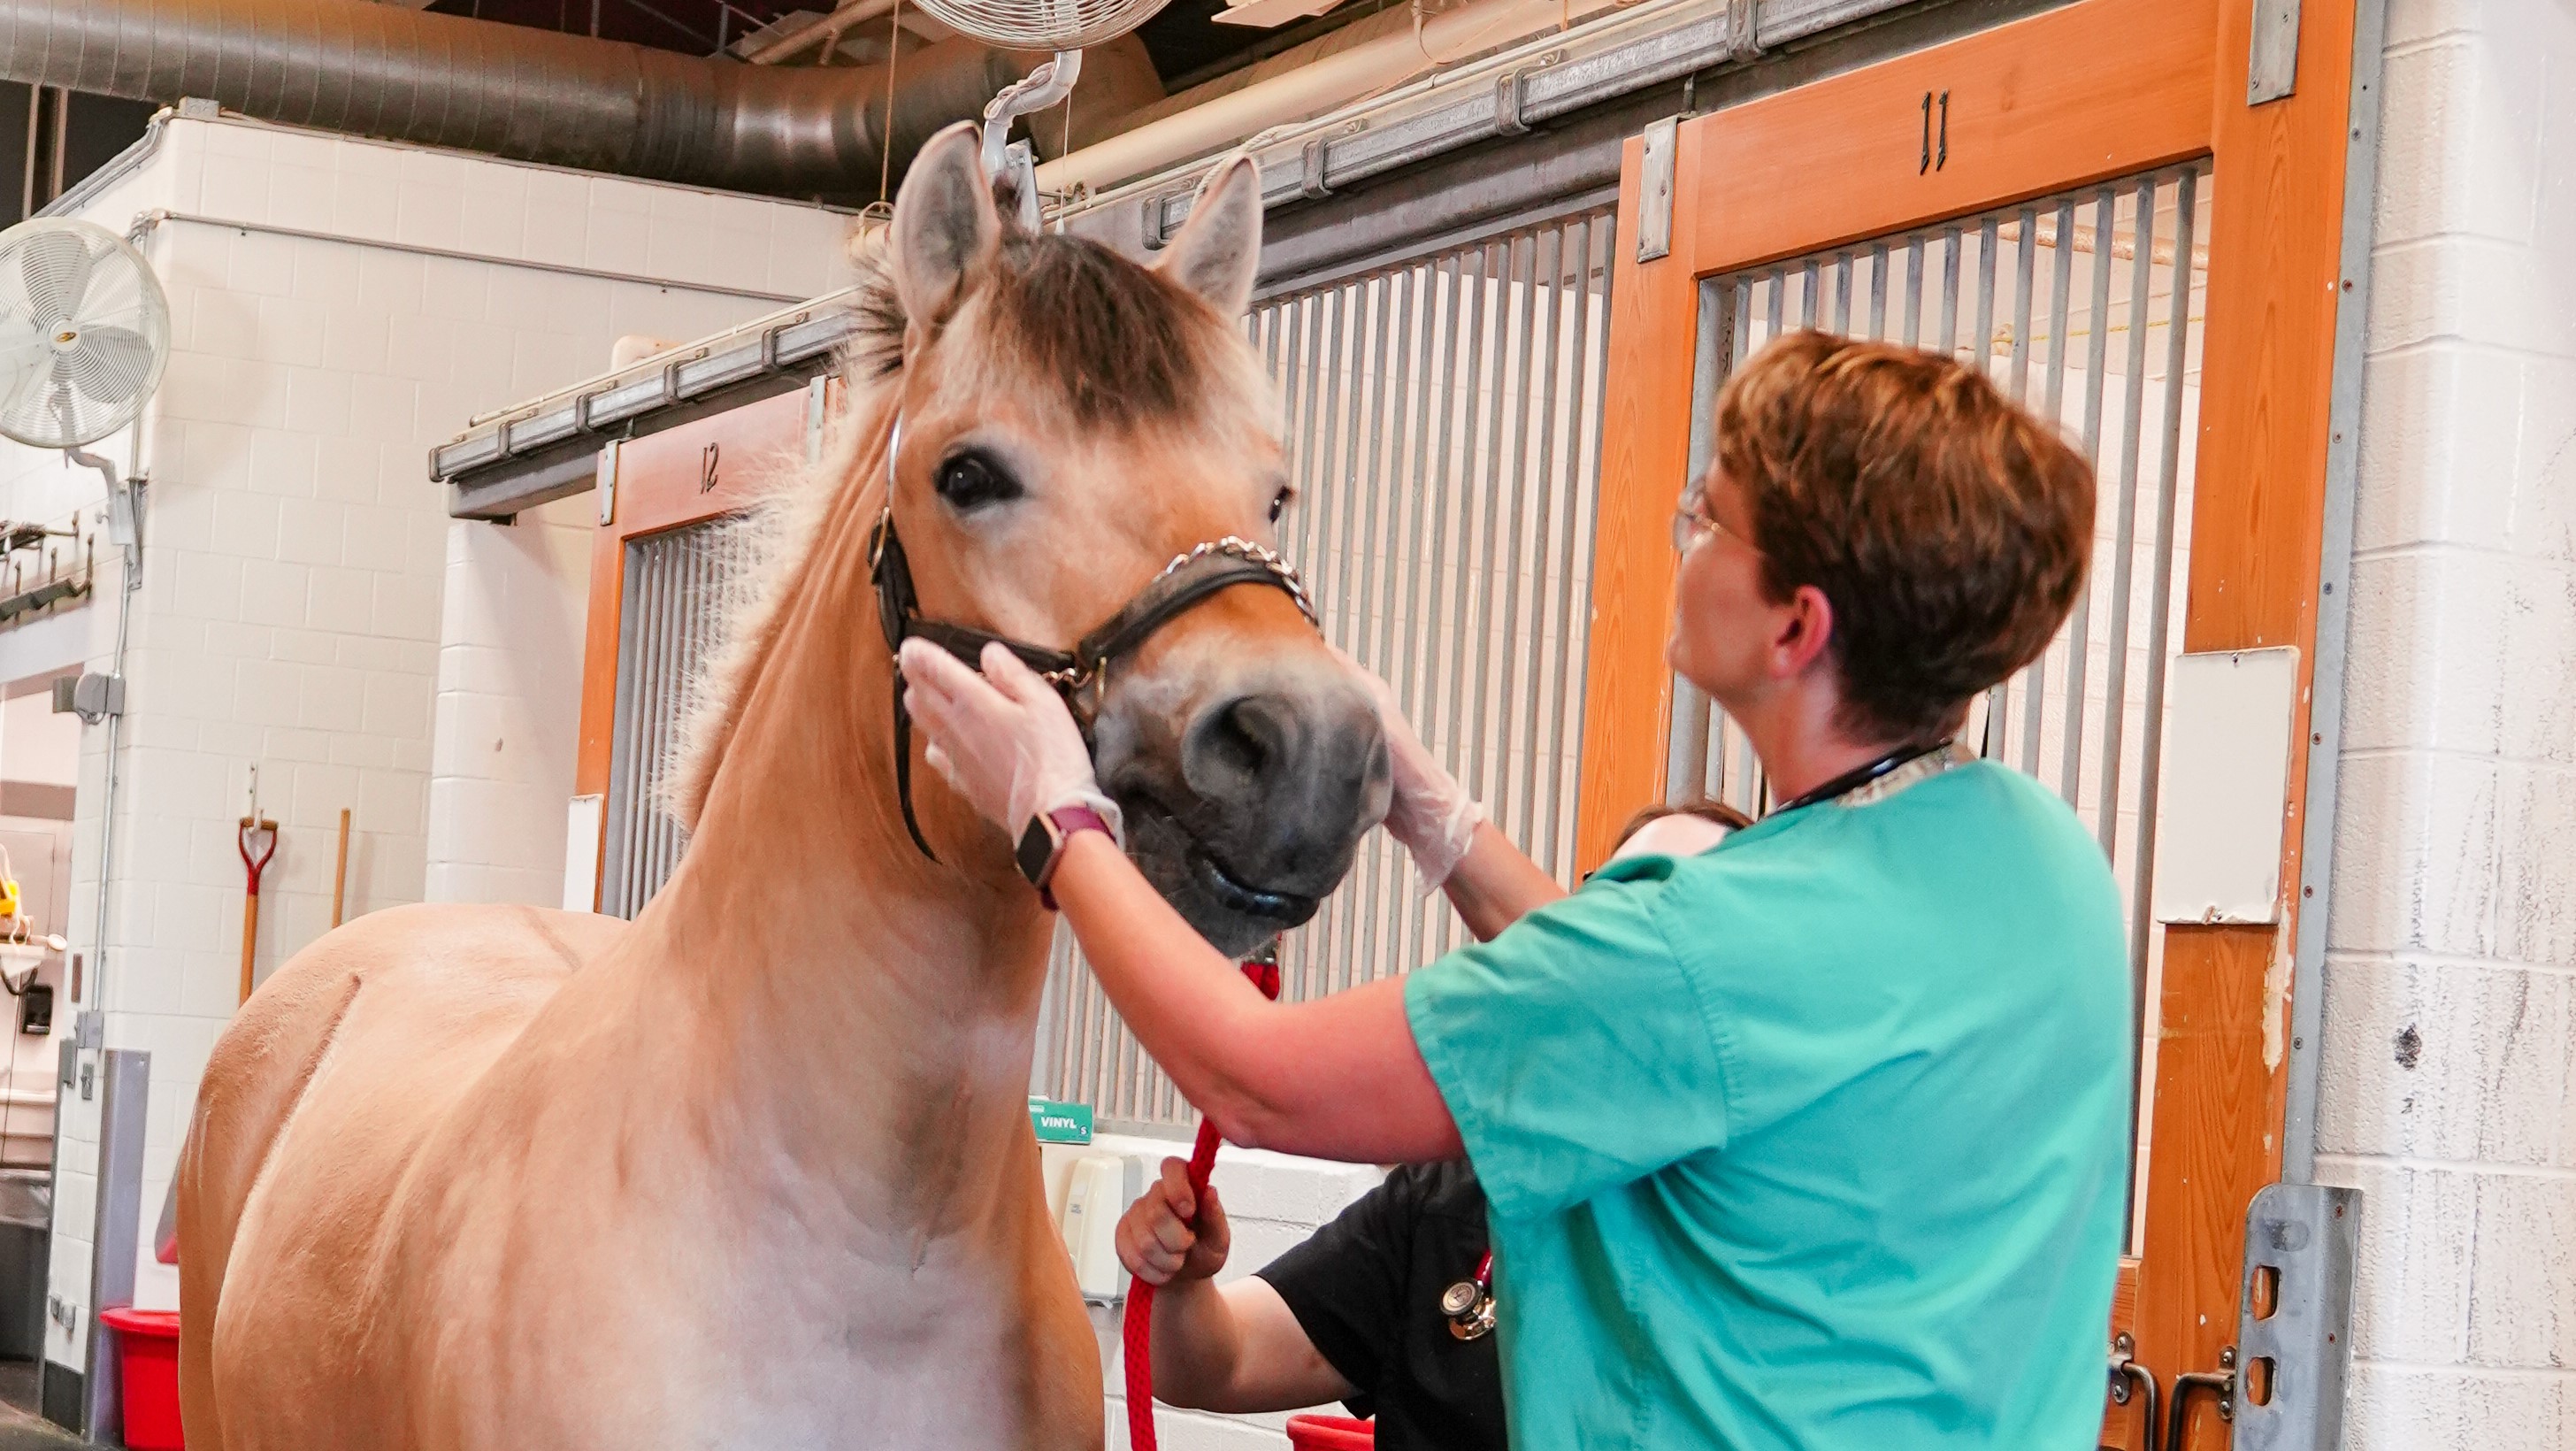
(84, 332)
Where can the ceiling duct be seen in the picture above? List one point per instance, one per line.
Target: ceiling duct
(503, 90)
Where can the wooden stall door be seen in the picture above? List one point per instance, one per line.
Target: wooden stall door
(659, 563)
(2116, 109)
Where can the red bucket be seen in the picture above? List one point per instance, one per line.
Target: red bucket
(147, 1343)
(1331, 1433)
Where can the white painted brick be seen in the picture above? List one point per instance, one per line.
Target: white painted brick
(2437, 447)
(2536, 900)
(364, 205)
(2534, 632)
(317, 400)
(428, 214)
(618, 242)
(2544, 500)
(2454, 1062)
(495, 212)
(455, 289)
(356, 338)
(385, 407)
(234, 189)
(2422, 667)
(266, 693)
(263, 265)
(346, 468)
(282, 463)
(378, 537)
(2415, 854)
(209, 585)
(2523, 1300)
(391, 283)
(303, 647)
(312, 532)
(2466, 160)
(397, 707)
(329, 275)
(404, 606)
(246, 525)
(274, 591)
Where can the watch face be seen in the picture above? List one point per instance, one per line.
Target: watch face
(1037, 848)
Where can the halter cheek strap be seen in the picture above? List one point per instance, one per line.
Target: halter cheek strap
(1189, 579)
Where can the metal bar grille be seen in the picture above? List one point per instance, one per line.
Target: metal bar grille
(667, 623)
(2076, 312)
(1444, 418)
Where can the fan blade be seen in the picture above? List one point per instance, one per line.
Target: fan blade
(109, 364)
(55, 267)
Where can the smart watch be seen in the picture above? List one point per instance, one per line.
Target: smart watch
(1042, 844)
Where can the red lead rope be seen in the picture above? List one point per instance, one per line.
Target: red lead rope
(1139, 1332)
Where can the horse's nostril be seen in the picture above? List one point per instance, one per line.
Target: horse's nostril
(1239, 743)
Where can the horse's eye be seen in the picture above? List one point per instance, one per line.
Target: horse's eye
(1278, 505)
(972, 480)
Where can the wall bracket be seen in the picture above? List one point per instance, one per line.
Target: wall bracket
(2301, 1246)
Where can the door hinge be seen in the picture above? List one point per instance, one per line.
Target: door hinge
(607, 477)
(2272, 56)
(1655, 190)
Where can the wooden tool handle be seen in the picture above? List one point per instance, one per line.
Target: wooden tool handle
(250, 939)
(340, 874)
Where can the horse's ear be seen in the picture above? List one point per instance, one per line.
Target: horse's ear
(1218, 252)
(945, 228)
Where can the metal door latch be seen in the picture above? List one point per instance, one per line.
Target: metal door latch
(2222, 1381)
(2131, 1380)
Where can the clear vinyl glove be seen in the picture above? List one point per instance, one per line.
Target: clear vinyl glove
(1430, 813)
(1003, 738)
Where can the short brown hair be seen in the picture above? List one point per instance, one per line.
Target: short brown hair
(1948, 528)
(1717, 812)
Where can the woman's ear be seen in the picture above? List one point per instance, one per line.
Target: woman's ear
(945, 229)
(1218, 252)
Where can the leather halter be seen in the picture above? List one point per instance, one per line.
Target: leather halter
(1191, 578)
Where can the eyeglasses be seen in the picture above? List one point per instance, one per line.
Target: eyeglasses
(1690, 523)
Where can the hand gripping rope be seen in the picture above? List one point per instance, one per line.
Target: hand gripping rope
(1139, 1331)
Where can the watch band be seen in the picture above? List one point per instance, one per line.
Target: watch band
(1042, 843)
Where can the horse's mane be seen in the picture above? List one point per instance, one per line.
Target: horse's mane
(774, 534)
(1129, 346)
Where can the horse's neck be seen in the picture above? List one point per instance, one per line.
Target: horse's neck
(863, 999)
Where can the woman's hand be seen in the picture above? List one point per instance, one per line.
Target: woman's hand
(1155, 1239)
(1430, 813)
(1003, 738)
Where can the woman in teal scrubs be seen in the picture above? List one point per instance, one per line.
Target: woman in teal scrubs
(1814, 1140)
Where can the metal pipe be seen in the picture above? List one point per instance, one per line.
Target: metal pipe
(1328, 80)
(473, 85)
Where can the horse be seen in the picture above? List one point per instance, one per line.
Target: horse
(756, 1168)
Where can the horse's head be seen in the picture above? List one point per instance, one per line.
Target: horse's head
(1070, 422)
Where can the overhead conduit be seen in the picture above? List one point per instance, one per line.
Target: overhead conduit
(510, 91)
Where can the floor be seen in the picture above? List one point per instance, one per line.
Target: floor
(21, 1429)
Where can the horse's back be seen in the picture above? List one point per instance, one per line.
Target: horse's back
(313, 1106)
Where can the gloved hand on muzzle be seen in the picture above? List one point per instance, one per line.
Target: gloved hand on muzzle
(1003, 738)
(1430, 813)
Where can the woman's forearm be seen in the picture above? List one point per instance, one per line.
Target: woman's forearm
(1495, 883)
(1197, 1345)
(1337, 1078)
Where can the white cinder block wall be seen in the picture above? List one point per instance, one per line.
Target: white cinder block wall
(2450, 1007)
(300, 569)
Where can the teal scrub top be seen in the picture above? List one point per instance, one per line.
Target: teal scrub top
(1817, 1140)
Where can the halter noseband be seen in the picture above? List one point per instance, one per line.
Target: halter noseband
(1190, 578)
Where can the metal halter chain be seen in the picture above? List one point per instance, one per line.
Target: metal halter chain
(1192, 577)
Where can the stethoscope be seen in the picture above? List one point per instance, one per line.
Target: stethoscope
(1469, 1304)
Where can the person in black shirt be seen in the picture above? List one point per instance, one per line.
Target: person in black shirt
(1351, 1315)
(1387, 1309)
